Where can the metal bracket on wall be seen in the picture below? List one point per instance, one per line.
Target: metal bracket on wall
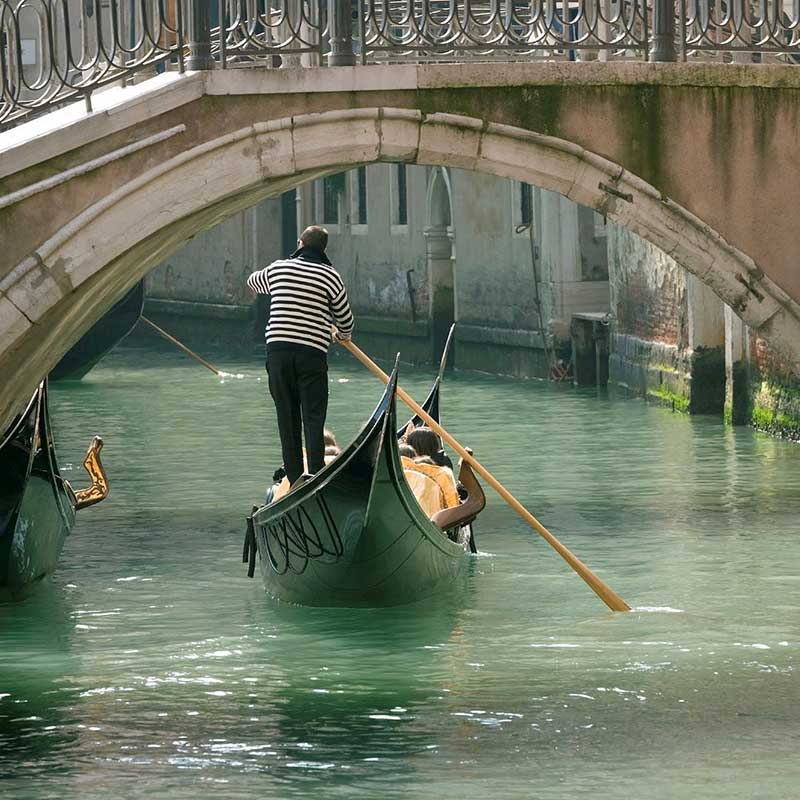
(628, 198)
(750, 288)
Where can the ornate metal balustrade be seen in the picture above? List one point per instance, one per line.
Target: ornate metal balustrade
(254, 32)
(737, 29)
(435, 30)
(56, 50)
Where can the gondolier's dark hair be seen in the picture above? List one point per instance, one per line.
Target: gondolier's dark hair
(315, 237)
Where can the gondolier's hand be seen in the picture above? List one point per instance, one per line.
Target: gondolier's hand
(339, 337)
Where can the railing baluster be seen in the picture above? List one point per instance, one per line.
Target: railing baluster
(200, 36)
(340, 29)
(663, 48)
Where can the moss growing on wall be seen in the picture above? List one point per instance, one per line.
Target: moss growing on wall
(776, 406)
(663, 396)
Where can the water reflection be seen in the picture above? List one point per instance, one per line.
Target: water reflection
(37, 656)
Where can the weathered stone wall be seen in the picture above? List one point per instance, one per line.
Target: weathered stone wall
(199, 292)
(374, 263)
(648, 290)
(774, 392)
(494, 292)
(668, 337)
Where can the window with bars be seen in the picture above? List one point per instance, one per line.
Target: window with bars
(400, 195)
(331, 189)
(525, 204)
(358, 196)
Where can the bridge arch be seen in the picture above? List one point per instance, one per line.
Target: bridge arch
(79, 272)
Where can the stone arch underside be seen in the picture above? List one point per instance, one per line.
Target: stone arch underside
(79, 272)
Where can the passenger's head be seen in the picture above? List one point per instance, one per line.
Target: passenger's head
(332, 450)
(314, 237)
(424, 441)
(425, 460)
(330, 439)
(407, 450)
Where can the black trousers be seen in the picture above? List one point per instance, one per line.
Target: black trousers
(298, 383)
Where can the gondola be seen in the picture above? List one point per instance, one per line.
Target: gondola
(354, 535)
(37, 506)
(102, 337)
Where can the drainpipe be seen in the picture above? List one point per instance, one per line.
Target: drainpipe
(537, 296)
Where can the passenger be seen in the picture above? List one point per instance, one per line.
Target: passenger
(433, 486)
(427, 443)
(331, 452)
(407, 451)
(329, 438)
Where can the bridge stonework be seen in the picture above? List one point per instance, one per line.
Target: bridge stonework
(701, 160)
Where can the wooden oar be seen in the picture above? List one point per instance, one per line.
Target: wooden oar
(180, 345)
(604, 592)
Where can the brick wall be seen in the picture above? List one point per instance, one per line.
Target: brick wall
(648, 290)
(774, 390)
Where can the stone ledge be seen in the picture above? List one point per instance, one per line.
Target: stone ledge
(398, 327)
(507, 337)
(186, 308)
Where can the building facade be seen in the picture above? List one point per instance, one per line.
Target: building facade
(539, 287)
(418, 248)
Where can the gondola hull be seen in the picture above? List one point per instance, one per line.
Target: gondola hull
(102, 337)
(354, 535)
(37, 507)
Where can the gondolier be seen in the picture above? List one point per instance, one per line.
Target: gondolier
(306, 297)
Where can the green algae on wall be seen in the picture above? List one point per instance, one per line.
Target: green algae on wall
(661, 395)
(776, 406)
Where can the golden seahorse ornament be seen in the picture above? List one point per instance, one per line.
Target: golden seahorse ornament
(99, 488)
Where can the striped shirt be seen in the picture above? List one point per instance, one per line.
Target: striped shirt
(306, 296)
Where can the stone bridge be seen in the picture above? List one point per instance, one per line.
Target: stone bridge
(699, 159)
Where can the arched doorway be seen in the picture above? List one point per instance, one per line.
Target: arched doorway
(440, 250)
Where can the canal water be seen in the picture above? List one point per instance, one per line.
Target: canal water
(150, 666)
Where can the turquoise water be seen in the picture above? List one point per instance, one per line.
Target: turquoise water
(150, 666)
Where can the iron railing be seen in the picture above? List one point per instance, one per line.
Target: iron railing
(56, 50)
(737, 29)
(436, 30)
(254, 32)
(52, 51)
